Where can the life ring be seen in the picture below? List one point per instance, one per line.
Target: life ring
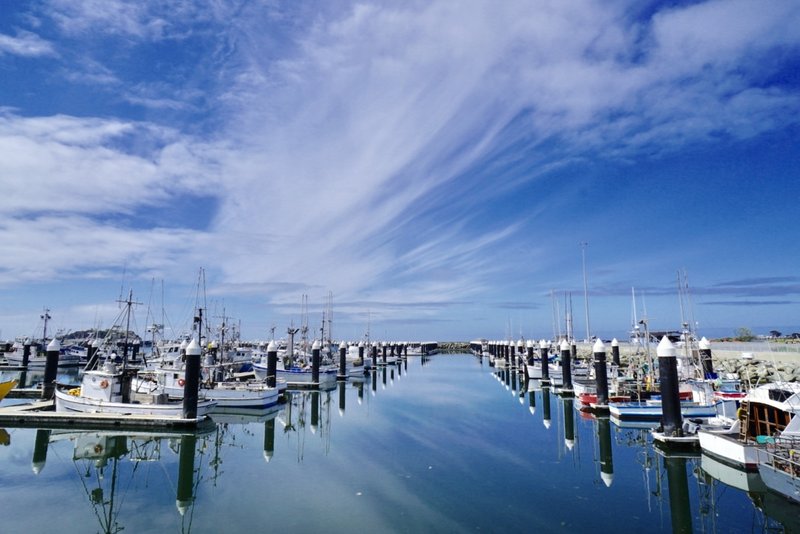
(181, 382)
(103, 384)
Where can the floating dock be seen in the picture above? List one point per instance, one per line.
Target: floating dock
(42, 414)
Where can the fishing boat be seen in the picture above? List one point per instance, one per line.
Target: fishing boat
(768, 411)
(108, 390)
(6, 387)
(651, 410)
(247, 394)
(295, 370)
(779, 466)
(37, 356)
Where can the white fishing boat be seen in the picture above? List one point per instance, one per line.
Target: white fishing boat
(768, 411)
(37, 357)
(253, 394)
(299, 370)
(107, 390)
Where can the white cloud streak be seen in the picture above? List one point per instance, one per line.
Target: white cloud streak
(26, 44)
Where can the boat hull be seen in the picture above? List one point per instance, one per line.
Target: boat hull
(652, 411)
(71, 403)
(727, 448)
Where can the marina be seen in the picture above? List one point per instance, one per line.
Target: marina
(433, 443)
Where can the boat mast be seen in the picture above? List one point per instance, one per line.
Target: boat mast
(46, 316)
(584, 244)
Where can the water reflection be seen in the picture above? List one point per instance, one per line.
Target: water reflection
(423, 452)
(606, 451)
(108, 466)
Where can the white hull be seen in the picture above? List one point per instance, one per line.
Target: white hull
(15, 360)
(71, 403)
(242, 396)
(728, 448)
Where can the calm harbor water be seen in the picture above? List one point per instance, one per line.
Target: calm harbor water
(439, 444)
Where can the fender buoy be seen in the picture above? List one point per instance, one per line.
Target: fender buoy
(98, 448)
(104, 383)
(740, 413)
(181, 382)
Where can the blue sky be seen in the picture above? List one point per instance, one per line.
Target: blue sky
(434, 165)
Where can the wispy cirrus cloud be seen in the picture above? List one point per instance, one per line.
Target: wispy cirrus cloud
(26, 44)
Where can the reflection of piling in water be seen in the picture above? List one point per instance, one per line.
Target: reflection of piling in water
(374, 380)
(360, 390)
(314, 411)
(546, 406)
(342, 396)
(569, 423)
(532, 401)
(606, 454)
(269, 438)
(680, 509)
(383, 376)
(40, 450)
(186, 473)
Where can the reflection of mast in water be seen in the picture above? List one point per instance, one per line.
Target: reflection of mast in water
(606, 458)
(546, 406)
(98, 449)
